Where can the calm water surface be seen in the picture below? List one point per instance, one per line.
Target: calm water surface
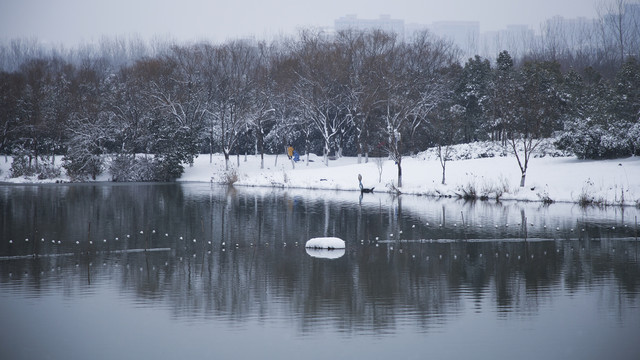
(225, 275)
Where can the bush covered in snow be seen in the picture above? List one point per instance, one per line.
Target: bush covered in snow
(82, 165)
(595, 141)
(43, 169)
(490, 149)
(130, 168)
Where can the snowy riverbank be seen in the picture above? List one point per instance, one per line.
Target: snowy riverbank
(562, 179)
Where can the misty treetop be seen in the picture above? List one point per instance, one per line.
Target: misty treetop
(351, 93)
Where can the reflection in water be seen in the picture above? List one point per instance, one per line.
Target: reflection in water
(237, 256)
(325, 253)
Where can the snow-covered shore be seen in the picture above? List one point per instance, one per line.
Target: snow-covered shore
(561, 179)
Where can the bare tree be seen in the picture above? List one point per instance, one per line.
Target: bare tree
(413, 87)
(367, 54)
(319, 89)
(619, 29)
(233, 91)
(445, 125)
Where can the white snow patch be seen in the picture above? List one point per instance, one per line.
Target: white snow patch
(325, 243)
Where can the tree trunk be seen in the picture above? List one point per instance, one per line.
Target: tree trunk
(326, 156)
(306, 149)
(210, 151)
(524, 175)
(226, 160)
(443, 171)
(399, 174)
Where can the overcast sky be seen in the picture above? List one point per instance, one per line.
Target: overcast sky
(73, 21)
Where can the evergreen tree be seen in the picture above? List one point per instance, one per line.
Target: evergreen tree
(472, 94)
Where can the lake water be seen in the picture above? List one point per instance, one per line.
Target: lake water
(167, 271)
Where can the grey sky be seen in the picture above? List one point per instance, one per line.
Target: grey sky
(73, 21)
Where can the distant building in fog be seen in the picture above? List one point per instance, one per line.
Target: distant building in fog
(554, 35)
(517, 39)
(384, 23)
(465, 34)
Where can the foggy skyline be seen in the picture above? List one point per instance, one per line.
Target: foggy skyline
(71, 22)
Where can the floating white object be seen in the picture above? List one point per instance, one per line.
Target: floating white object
(328, 243)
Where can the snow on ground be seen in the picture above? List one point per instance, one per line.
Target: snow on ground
(563, 179)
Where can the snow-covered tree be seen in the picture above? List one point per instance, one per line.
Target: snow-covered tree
(319, 89)
(412, 88)
(233, 92)
(535, 110)
(472, 93)
(11, 88)
(90, 124)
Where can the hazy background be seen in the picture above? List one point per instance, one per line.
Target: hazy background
(74, 21)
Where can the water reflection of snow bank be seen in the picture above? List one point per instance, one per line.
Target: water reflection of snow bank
(325, 253)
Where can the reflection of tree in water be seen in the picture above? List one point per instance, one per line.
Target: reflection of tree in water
(371, 288)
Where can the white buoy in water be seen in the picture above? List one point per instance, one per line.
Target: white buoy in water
(325, 243)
